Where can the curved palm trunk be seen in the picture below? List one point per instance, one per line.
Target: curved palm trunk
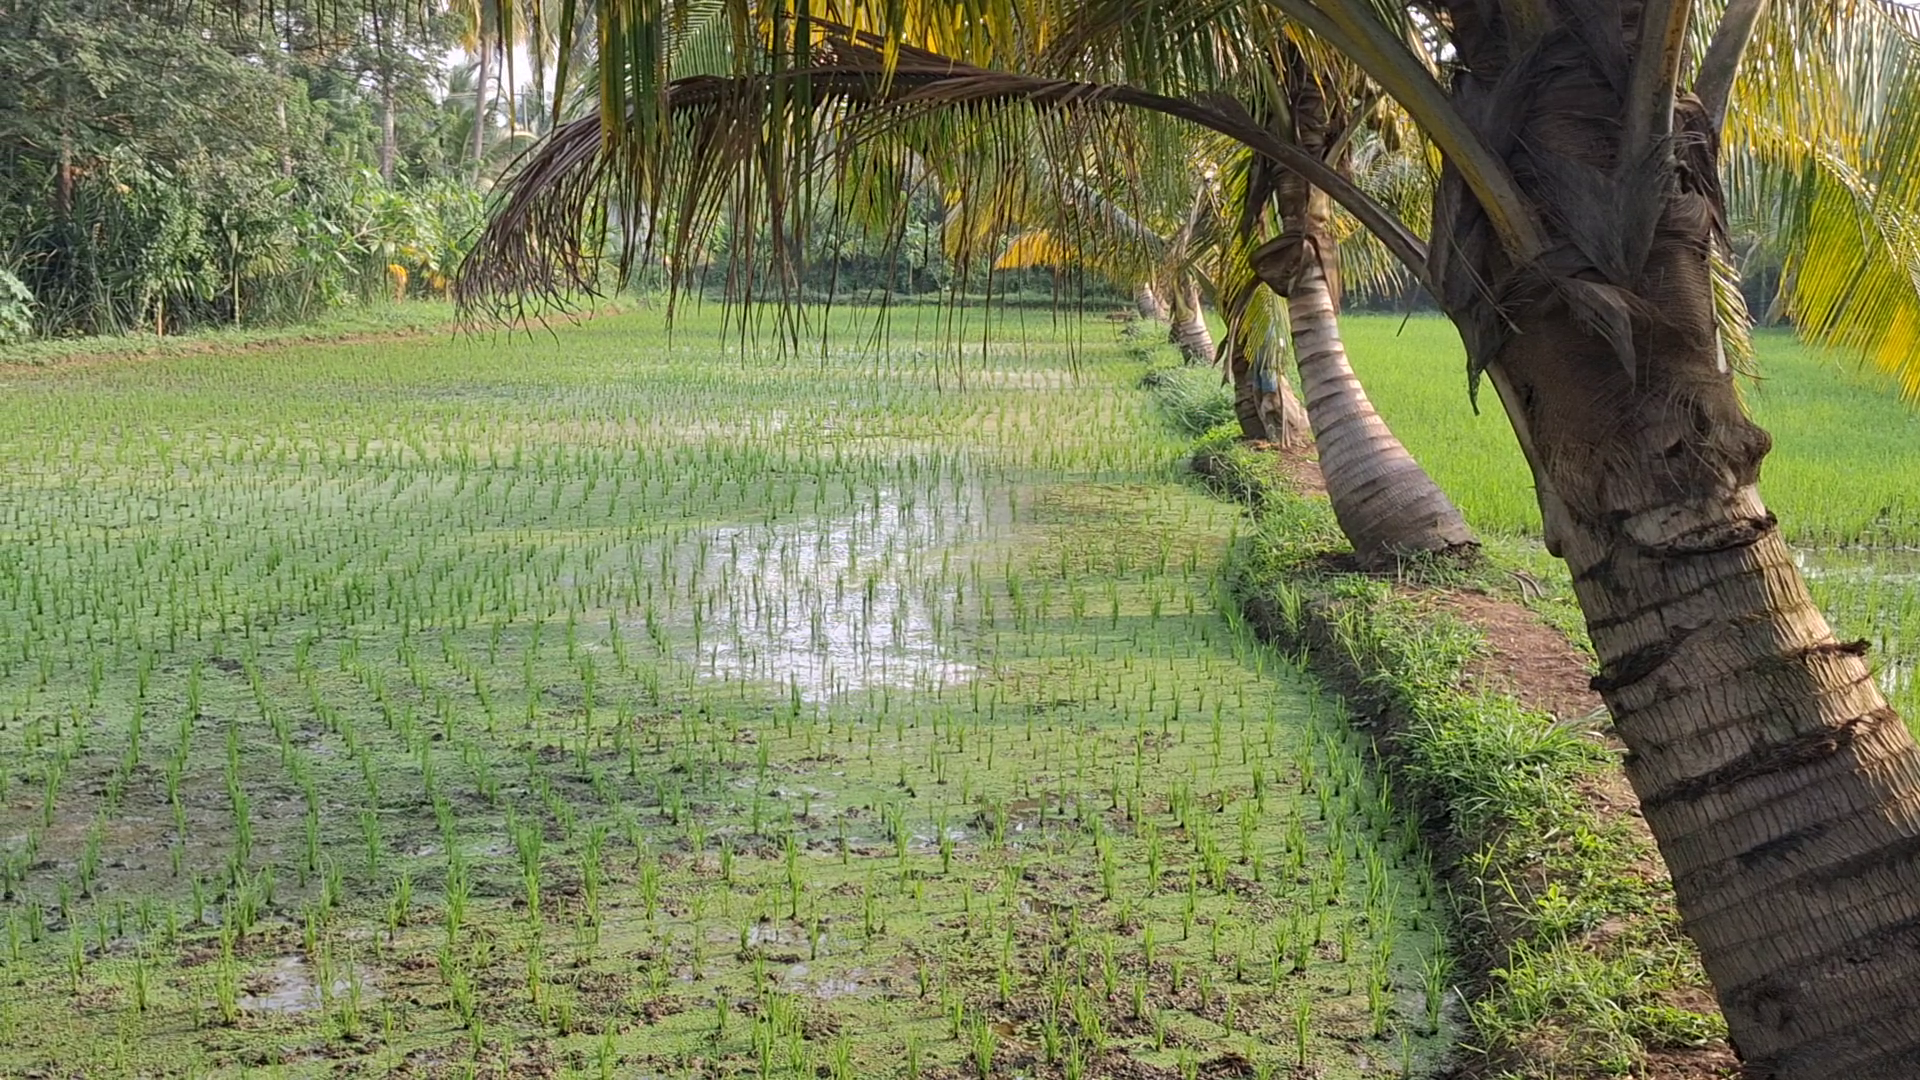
(1188, 326)
(1386, 503)
(1148, 303)
(1264, 402)
(1783, 791)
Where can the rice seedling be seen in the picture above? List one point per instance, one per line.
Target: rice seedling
(1827, 418)
(654, 705)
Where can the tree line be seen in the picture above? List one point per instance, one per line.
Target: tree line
(166, 167)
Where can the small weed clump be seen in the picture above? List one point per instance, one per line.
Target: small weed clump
(1194, 399)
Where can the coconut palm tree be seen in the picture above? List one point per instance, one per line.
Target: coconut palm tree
(1578, 243)
(1074, 223)
(480, 36)
(1387, 505)
(1382, 497)
(490, 30)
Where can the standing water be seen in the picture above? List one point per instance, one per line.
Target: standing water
(611, 706)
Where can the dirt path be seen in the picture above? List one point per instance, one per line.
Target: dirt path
(1536, 664)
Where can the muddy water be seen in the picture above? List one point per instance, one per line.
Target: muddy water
(291, 985)
(1874, 593)
(833, 607)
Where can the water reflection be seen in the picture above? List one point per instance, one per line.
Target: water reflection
(1874, 593)
(843, 605)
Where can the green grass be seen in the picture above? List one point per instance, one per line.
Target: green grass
(621, 704)
(1193, 399)
(1580, 966)
(1844, 475)
(1843, 470)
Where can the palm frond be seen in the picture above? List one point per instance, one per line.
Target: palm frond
(748, 146)
(1824, 124)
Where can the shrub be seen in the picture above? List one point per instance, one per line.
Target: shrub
(16, 309)
(1194, 398)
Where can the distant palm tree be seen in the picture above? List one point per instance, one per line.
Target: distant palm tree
(1387, 505)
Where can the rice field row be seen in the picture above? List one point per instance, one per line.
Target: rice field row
(617, 704)
(1844, 475)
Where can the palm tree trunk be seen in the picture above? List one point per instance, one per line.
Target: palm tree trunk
(1387, 505)
(1148, 303)
(1783, 791)
(63, 179)
(286, 138)
(481, 102)
(388, 145)
(1188, 328)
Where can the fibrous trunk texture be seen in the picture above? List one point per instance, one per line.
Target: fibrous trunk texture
(1188, 328)
(1782, 790)
(1784, 793)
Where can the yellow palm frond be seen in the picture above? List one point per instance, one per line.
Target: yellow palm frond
(1821, 133)
(1039, 247)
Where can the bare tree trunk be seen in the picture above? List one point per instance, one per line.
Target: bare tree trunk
(388, 147)
(1188, 328)
(286, 137)
(63, 179)
(1783, 791)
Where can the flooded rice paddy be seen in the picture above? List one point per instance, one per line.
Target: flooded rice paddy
(1873, 594)
(616, 706)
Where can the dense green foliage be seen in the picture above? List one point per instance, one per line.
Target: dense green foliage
(16, 309)
(162, 167)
